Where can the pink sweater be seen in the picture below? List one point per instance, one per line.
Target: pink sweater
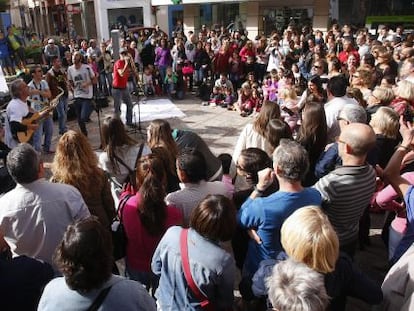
(386, 200)
(141, 245)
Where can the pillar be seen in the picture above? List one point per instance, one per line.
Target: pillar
(321, 14)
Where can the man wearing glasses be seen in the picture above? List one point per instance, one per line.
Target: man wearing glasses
(347, 191)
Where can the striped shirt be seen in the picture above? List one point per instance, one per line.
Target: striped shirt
(346, 192)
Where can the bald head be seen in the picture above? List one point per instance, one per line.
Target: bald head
(359, 137)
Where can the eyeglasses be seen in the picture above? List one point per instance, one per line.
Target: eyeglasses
(338, 118)
(341, 141)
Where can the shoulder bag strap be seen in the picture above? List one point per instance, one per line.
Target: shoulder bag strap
(121, 206)
(123, 163)
(187, 272)
(99, 300)
(141, 148)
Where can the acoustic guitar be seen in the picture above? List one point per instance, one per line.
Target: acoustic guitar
(25, 136)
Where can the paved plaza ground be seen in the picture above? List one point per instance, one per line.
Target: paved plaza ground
(220, 128)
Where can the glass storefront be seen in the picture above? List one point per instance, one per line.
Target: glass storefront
(277, 19)
(130, 17)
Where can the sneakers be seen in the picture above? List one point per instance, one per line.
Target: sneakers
(205, 103)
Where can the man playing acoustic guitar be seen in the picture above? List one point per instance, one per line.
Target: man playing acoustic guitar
(16, 111)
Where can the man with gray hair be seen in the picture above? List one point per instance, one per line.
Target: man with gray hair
(330, 158)
(266, 214)
(35, 214)
(16, 111)
(295, 286)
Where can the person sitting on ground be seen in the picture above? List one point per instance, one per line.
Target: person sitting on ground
(35, 214)
(216, 97)
(191, 170)
(244, 104)
(84, 257)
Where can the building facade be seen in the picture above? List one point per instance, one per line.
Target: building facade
(95, 19)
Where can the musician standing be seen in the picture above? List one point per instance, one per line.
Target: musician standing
(56, 78)
(40, 94)
(16, 111)
(81, 79)
(122, 70)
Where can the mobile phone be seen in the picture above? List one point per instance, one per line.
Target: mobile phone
(408, 115)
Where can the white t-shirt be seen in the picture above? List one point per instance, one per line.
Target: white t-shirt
(16, 110)
(79, 76)
(43, 85)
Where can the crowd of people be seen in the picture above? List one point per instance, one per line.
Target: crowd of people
(331, 141)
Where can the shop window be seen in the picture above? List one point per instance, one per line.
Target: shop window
(130, 17)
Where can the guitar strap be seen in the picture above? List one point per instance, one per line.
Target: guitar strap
(40, 89)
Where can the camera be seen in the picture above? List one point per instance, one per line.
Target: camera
(408, 115)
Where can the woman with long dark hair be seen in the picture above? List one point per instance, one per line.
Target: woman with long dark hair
(118, 147)
(146, 217)
(313, 136)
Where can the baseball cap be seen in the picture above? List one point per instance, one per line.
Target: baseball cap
(50, 41)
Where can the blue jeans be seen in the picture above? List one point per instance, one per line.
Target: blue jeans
(46, 128)
(83, 107)
(123, 94)
(62, 109)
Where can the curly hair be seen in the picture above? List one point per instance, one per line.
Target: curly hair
(84, 256)
(76, 164)
(152, 208)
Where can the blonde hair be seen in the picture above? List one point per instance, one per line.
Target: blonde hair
(75, 163)
(308, 237)
(386, 121)
(288, 93)
(384, 94)
(405, 90)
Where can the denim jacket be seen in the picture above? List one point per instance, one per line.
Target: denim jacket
(212, 269)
